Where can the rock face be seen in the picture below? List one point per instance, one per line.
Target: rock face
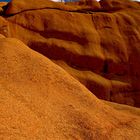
(39, 100)
(1, 5)
(96, 43)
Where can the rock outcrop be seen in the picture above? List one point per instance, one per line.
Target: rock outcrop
(50, 52)
(39, 100)
(97, 46)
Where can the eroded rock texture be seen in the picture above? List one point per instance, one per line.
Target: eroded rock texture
(39, 100)
(97, 43)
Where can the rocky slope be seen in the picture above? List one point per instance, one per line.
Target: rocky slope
(39, 100)
(97, 43)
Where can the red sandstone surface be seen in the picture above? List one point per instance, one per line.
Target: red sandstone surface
(97, 48)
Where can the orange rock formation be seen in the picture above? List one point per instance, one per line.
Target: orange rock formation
(95, 43)
(39, 100)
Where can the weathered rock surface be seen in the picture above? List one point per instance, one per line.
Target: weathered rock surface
(3, 4)
(39, 100)
(95, 43)
(98, 46)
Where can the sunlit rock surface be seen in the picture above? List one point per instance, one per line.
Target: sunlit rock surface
(43, 93)
(98, 45)
(39, 100)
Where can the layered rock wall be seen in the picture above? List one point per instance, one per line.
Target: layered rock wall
(96, 43)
